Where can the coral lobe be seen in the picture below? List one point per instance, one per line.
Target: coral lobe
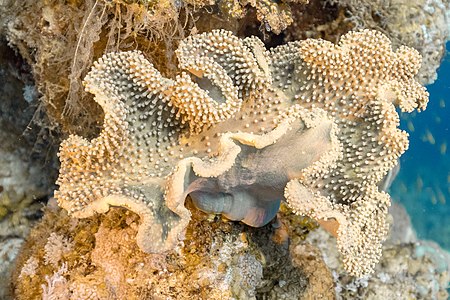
(240, 129)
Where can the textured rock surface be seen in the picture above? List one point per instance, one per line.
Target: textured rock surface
(9, 249)
(408, 269)
(21, 164)
(98, 258)
(274, 16)
(25, 177)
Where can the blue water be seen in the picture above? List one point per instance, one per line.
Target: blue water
(423, 183)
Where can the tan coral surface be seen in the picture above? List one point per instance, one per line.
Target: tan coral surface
(240, 124)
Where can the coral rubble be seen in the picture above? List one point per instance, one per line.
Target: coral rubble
(225, 130)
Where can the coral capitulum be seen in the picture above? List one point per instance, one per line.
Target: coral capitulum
(242, 128)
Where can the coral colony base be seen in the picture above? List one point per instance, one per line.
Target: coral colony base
(242, 128)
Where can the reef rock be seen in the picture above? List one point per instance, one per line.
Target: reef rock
(26, 175)
(98, 258)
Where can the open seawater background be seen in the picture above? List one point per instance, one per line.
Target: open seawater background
(423, 183)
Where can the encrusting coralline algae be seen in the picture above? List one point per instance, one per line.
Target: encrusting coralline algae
(242, 128)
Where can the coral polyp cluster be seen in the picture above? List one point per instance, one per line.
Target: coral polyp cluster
(240, 129)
